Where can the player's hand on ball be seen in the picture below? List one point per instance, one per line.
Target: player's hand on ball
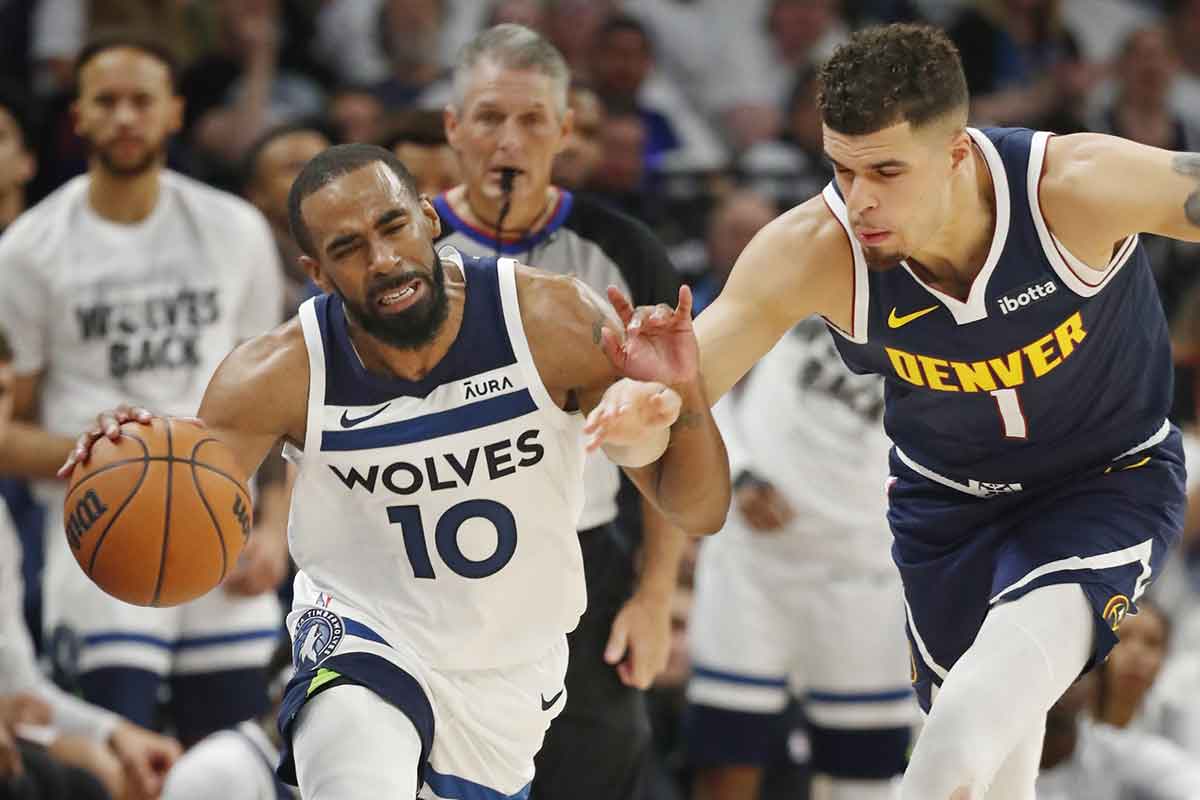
(261, 567)
(660, 344)
(108, 425)
(145, 757)
(630, 411)
(763, 506)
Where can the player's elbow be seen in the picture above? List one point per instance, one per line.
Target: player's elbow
(707, 515)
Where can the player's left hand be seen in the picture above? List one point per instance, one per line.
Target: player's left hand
(640, 641)
(660, 344)
(145, 757)
(629, 412)
(261, 567)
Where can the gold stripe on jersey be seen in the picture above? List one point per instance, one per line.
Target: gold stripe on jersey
(1005, 372)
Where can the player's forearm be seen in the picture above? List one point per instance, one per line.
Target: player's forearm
(27, 451)
(662, 550)
(691, 483)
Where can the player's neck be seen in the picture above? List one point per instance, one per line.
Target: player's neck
(956, 254)
(414, 364)
(124, 199)
(12, 203)
(1119, 711)
(527, 214)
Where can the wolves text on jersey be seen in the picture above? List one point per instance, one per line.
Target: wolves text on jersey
(158, 331)
(445, 471)
(1008, 371)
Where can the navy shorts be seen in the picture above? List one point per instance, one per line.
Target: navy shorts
(1107, 530)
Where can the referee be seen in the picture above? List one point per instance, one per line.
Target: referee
(507, 121)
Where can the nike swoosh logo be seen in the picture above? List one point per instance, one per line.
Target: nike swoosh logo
(546, 704)
(900, 322)
(350, 423)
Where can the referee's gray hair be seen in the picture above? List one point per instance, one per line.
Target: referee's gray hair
(513, 46)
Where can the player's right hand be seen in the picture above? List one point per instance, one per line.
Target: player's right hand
(108, 425)
(763, 506)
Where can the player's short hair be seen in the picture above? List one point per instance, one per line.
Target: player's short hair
(249, 164)
(329, 165)
(134, 39)
(513, 46)
(419, 126)
(890, 74)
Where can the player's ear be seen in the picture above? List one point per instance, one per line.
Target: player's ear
(450, 123)
(960, 147)
(312, 268)
(430, 214)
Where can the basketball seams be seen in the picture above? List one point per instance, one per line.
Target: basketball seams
(208, 506)
(128, 499)
(166, 535)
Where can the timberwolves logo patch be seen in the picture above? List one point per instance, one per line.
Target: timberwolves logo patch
(1114, 611)
(317, 635)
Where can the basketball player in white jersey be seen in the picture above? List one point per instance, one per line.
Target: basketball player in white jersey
(434, 407)
(133, 281)
(798, 595)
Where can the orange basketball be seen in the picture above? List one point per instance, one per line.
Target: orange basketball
(158, 517)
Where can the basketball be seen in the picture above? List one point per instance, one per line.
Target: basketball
(158, 517)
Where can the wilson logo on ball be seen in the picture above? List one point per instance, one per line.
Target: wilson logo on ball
(89, 509)
(242, 514)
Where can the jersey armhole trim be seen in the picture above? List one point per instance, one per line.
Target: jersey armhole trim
(860, 289)
(1080, 278)
(315, 345)
(506, 269)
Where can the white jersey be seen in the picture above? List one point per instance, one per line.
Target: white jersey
(806, 423)
(138, 313)
(442, 513)
(234, 764)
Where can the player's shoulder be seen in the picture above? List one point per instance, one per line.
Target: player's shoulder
(1075, 160)
(218, 207)
(544, 296)
(806, 238)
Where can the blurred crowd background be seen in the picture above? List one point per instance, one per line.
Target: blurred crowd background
(697, 117)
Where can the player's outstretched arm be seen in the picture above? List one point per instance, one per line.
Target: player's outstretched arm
(661, 430)
(257, 396)
(1097, 190)
(798, 265)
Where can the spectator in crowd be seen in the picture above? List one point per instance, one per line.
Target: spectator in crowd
(1183, 23)
(1087, 760)
(357, 114)
(792, 168)
(130, 284)
(731, 226)
(1132, 666)
(52, 745)
(530, 13)
(510, 113)
(1009, 49)
(246, 86)
(572, 25)
(619, 179)
(408, 38)
(621, 73)
(581, 151)
(418, 138)
(272, 164)
(17, 163)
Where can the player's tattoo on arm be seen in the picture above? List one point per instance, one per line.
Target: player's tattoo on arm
(1189, 164)
(688, 419)
(597, 329)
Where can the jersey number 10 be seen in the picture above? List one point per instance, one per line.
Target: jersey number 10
(445, 537)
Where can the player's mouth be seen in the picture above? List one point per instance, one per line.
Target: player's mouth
(402, 297)
(872, 237)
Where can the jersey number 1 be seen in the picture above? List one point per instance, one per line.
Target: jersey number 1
(445, 536)
(1010, 413)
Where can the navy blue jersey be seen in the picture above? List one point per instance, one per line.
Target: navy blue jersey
(1047, 369)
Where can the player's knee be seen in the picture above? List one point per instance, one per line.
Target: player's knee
(868, 754)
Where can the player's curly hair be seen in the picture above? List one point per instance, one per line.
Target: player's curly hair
(890, 74)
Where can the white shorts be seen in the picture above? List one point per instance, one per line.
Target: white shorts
(479, 729)
(214, 633)
(763, 629)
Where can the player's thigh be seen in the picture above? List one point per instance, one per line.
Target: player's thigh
(858, 698)
(350, 742)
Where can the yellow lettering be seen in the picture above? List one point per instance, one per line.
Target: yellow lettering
(906, 366)
(974, 377)
(1041, 359)
(936, 373)
(1010, 370)
(1069, 334)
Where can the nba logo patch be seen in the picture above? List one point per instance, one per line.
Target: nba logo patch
(318, 633)
(1114, 611)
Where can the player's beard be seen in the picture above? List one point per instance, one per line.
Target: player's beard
(418, 324)
(881, 260)
(153, 156)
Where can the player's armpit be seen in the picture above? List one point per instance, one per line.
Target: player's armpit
(798, 265)
(259, 395)
(1097, 190)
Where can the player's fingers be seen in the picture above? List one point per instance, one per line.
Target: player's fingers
(618, 641)
(611, 344)
(684, 309)
(620, 304)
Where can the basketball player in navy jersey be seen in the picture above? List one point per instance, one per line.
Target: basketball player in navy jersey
(995, 279)
(434, 406)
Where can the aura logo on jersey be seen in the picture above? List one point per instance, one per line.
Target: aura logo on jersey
(447, 470)
(153, 331)
(1008, 371)
(318, 632)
